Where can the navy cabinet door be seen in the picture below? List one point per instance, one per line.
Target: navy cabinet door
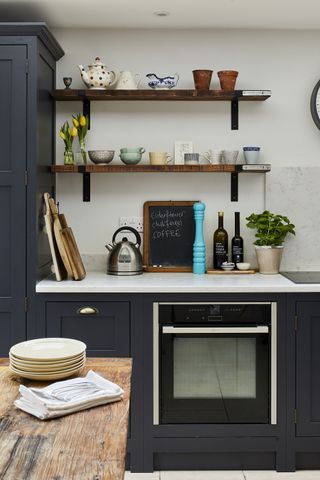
(308, 369)
(102, 326)
(13, 111)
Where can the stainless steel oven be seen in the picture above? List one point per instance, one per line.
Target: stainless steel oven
(214, 363)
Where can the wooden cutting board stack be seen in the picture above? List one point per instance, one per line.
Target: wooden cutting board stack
(66, 258)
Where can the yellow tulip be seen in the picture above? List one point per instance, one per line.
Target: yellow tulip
(74, 132)
(75, 122)
(62, 135)
(82, 120)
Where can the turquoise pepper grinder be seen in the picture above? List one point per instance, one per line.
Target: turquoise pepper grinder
(199, 247)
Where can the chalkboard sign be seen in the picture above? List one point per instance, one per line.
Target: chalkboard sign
(169, 231)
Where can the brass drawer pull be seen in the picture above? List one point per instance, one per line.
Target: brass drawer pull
(87, 310)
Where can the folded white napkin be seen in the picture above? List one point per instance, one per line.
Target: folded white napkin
(62, 398)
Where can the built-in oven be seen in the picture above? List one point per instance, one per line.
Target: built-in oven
(215, 363)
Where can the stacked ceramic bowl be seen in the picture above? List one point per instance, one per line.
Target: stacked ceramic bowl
(47, 358)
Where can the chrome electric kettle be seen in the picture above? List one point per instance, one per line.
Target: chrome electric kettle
(125, 257)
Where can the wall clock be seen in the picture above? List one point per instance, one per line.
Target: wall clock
(315, 104)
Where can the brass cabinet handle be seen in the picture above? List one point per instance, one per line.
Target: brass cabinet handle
(87, 310)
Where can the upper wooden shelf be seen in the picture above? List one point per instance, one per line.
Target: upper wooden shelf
(157, 95)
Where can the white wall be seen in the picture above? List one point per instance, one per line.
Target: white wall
(282, 61)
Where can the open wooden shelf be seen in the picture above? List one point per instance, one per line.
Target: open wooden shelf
(233, 96)
(86, 171)
(142, 168)
(154, 95)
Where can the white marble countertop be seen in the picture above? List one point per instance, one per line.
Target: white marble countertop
(99, 282)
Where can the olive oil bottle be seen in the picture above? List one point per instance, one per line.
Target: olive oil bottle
(220, 244)
(237, 241)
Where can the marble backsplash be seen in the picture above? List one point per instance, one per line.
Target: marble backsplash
(290, 191)
(294, 192)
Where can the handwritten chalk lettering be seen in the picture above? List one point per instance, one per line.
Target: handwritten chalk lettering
(166, 214)
(167, 223)
(166, 233)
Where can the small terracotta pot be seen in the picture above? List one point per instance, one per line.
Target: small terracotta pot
(227, 79)
(202, 79)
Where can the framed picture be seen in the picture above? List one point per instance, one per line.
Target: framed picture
(180, 148)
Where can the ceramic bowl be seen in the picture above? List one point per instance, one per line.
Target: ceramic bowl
(228, 266)
(101, 156)
(130, 158)
(243, 266)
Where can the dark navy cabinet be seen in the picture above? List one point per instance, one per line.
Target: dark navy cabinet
(308, 369)
(13, 163)
(28, 55)
(103, 326)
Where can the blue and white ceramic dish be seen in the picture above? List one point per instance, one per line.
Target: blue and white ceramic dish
(162, 83)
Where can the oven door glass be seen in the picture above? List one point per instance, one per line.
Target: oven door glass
(215, 378)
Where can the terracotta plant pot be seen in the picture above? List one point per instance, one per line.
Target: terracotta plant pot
(269, 259)
(227, 79)
(202, 79)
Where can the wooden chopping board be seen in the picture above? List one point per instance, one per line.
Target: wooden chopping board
(57, 227)
(59, 269)
(230, 272)
(72, 250)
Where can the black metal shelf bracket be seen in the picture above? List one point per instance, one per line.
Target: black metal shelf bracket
(234, 114)
(85, 106)
(86, 184)
(234, 186)
(86, 110)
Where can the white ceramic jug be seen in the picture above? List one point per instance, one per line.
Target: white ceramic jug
(128, 81)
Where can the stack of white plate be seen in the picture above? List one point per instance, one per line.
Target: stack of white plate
(47, 358)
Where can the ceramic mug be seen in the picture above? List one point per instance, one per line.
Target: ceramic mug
(191, 158)
(230, 156)
(132, 150)
(212, 156)
(159, 158)
(251, 154)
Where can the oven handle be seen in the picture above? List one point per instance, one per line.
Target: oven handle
(229, 330)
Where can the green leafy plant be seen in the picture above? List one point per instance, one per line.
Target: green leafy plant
(272, 229)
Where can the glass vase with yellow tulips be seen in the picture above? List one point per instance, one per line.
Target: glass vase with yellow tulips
(80, 122)
(68, 134)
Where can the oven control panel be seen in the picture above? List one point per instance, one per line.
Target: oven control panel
(187, 313)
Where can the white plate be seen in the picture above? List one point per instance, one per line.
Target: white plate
(46, 370)
(48, 348)
(42, 376)
(46, 364)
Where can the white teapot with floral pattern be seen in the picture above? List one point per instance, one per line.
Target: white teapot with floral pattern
(98, 77)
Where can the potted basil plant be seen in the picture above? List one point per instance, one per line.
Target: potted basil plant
(272, 230)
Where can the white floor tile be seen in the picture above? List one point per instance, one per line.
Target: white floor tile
(142, 476)
(272, 475)
(203, 475)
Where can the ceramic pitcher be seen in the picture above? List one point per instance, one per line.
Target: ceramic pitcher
(128, 81)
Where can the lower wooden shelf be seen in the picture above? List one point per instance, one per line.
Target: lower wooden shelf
(233, 169)
(142, 168)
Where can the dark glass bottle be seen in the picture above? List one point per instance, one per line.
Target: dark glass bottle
(237, 241)
(220, 244)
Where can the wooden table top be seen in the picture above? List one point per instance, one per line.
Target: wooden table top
(87, 445)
